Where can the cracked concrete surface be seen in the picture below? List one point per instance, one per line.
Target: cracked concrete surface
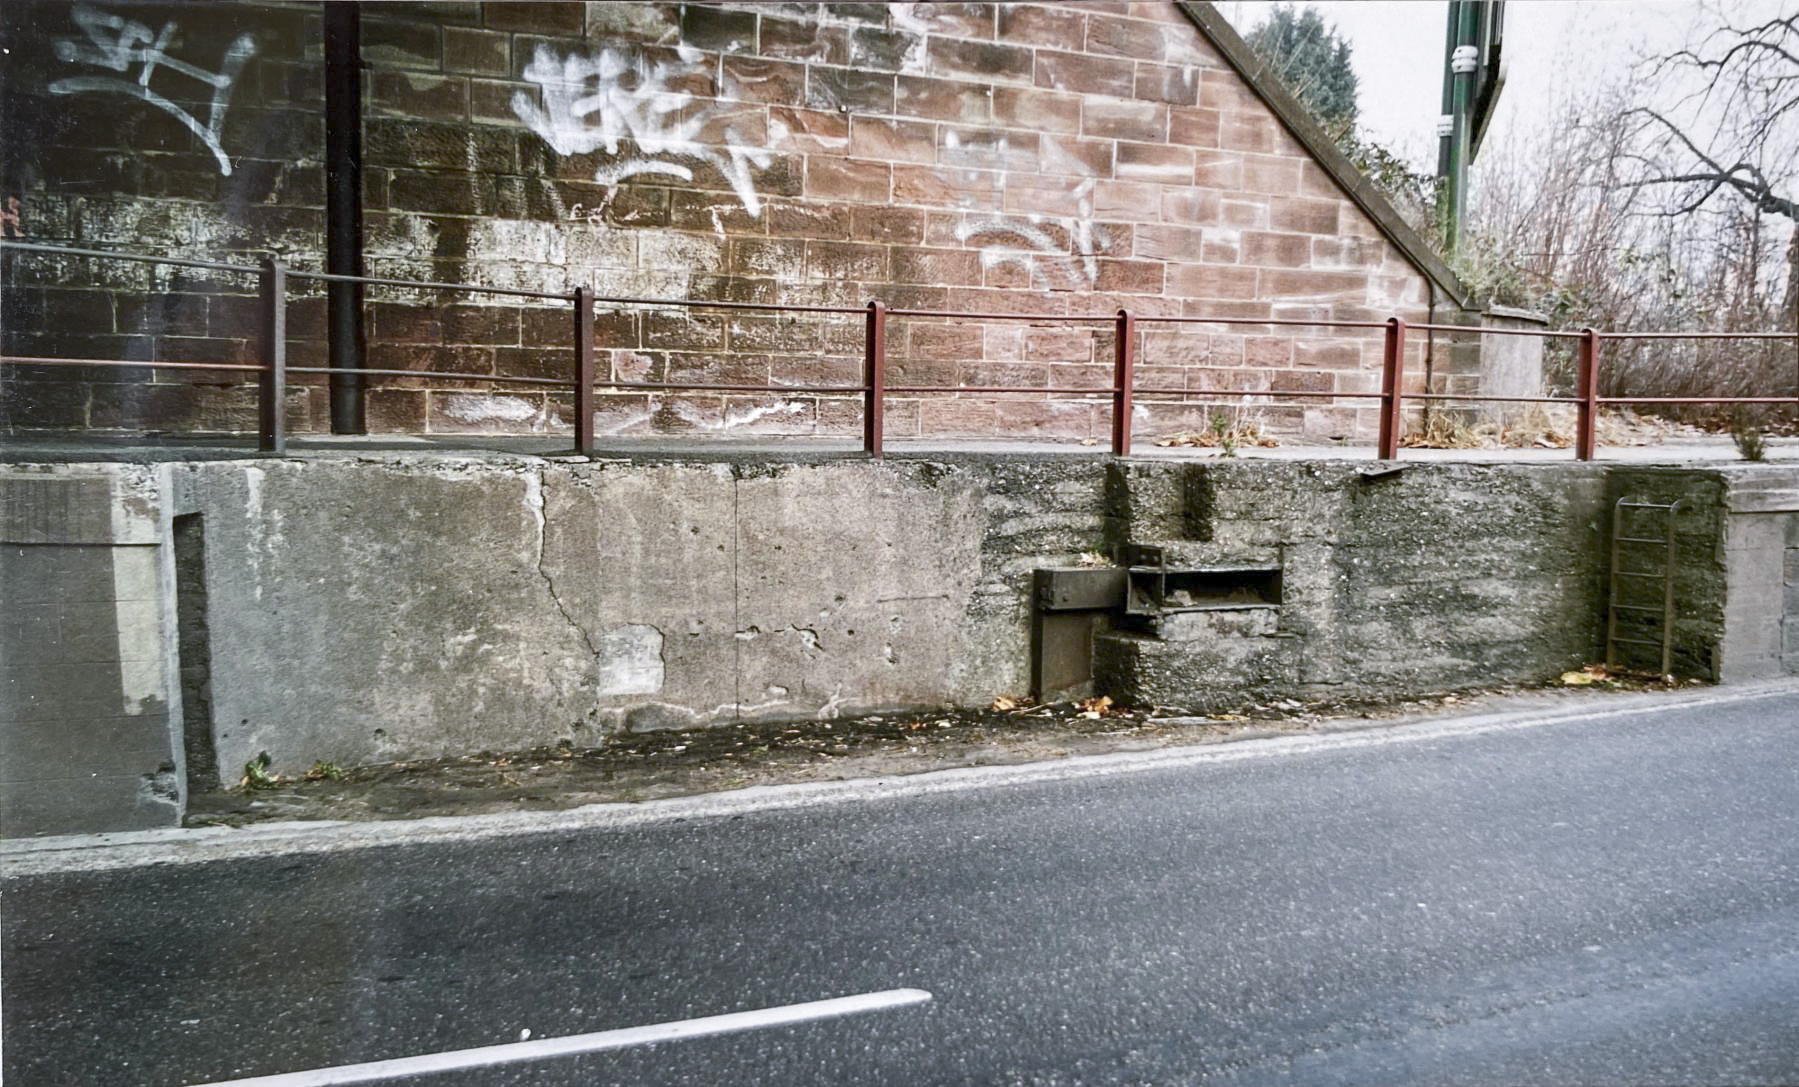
(390, 607)
(534, 503)
(452, 605)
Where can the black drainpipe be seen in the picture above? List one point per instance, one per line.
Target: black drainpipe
(343, 212)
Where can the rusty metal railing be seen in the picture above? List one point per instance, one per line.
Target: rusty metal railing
(272, 372)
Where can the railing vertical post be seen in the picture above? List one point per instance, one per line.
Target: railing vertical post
(874, 378)
(271, 381)
(1392, 389)
(584, 371)
(1124, 371)
(1586, 434)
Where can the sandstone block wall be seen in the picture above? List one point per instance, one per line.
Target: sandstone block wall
(1052, 159)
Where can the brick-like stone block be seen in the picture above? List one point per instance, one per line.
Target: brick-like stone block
(1137, 39)
(482, 52)
(1083, 74)
(846, 260)
(985, 61)
(1060, 26)
(880, 139)
(760, 79)
(1305, 215)
(718, 30)
(943, 99)
(957, 20)
(888, 224)
(1042, 110)
(935, 266)
(1173, 84)
(848, 179)
(803, 39)
(848, 90)
(1142, 121)
(1276, 250)
(880, 49)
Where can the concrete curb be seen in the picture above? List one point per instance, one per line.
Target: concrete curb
(104, 852)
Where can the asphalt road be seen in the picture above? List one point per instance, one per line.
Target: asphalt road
(1592, 902)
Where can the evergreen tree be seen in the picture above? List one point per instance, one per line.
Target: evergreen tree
(1313, 60)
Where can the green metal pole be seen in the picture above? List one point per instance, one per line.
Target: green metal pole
(1463, 59)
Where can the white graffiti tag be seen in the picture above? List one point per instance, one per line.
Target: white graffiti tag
(594, 103)
(117, 44)
(1006, 240)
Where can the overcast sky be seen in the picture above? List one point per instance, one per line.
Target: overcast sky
(1551, 47)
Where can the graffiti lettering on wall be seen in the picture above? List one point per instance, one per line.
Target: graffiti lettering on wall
(10, 224)
(604, 101)
(128, 47)
(1036, 242)
(581, 213)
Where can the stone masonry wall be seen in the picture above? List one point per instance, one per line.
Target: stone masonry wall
(1432, 577)
(216, 156)
(1053, 159)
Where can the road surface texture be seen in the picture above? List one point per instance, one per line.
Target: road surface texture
(1610, 898)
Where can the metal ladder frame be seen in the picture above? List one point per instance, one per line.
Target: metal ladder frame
(1666, 577)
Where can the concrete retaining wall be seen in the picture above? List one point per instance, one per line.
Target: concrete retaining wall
(88, 699)
(373, 608)
(1737, 576)
(1430, 577)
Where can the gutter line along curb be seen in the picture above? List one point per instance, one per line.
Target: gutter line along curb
(104, 852)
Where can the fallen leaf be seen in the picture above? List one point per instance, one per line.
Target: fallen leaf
(1578, 679)
(1002, 704)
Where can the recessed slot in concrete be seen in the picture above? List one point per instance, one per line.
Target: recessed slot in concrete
(1220, 587)
(195, 653)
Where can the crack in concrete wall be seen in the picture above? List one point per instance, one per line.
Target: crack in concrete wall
(534, 502)
(808, 636)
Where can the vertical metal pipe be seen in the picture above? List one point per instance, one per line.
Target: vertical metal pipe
(343, 214)
(1392, 392)
(1669, 562)
(1124, 376)
(1586, 436)
(584, 370)
(874, 375)
(271, 383)
(1611, 591)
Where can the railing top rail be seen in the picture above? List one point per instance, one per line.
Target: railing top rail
(1701, 335)
(1482, 330)
(696, 303)
(431, 285)
(978, 316)
(1147, 319)
(140, 258)
(43, 360)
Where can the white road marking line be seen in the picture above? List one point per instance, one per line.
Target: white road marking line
(545, 1048)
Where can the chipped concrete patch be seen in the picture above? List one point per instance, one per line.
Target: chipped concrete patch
(628, 660)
